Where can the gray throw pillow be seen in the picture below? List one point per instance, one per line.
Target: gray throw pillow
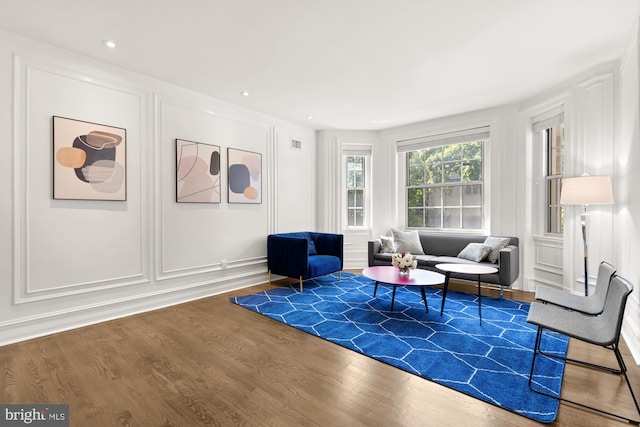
(386, 245)
(475, 252)
(407, 242)
(496, 243)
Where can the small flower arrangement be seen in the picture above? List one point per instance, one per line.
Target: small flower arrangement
(404, 262)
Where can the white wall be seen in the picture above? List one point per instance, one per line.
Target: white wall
(66, 263)
(626, 231)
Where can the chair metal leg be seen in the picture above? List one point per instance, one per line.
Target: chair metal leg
(536, 351)
(269, 277)
(300, 283)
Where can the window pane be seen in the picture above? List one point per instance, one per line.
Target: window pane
(433, 155)
(416, 168)
(433, 196)
(452, 217)
(554, 191)
(415, 197)
(359, 217)
(451, 196)
(452, 152)
(359, 172)
(351, 198)
(473, 151)
(359, 198)
(471, 218)
(556, 220)
(433, 173)
(453, 172)
(415, 218)
(433, 218)
(472, 195)
(472, 171)
(556, 149)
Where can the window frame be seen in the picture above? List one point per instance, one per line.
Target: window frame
(479, 134)
(358, 150)
(348, 188)
(540, 131)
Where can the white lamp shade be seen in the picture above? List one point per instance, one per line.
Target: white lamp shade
(586, 190)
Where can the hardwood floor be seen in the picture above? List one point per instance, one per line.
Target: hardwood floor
(211, 362)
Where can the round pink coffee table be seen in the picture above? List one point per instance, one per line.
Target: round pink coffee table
(390, 275)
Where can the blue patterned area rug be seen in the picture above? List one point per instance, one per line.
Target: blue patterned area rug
(490, 362)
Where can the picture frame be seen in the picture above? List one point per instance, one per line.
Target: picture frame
(89, 161)
(198, 172)
(244, 176)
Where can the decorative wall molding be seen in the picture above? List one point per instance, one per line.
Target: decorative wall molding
(548, 255)
(54, 321)
(165, 196)
(24, 140)
(272, 181)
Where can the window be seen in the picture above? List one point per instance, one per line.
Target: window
(444, 180)
(445, 185)
(550, 132)
(355, 190)
(553, 138)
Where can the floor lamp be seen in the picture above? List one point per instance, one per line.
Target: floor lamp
(586, 190)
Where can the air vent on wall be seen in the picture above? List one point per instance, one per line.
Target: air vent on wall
(296, 145)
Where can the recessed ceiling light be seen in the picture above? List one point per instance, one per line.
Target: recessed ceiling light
(309, 117)
(110, 44)
(244, 93)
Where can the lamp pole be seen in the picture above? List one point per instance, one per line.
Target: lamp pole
(583, 220)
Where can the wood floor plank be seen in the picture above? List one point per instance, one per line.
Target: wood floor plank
(211, 362)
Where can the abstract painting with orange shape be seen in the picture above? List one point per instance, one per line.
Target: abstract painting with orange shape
(89, 161)
(245, 176)
(197, 172)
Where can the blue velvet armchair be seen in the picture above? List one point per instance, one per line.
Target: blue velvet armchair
(304, 255)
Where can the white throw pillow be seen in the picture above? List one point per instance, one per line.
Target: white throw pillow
(496, 243)
(475, 252)
(386, 245)
(407, 242)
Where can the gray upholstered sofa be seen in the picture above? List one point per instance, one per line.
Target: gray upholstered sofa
(445, 247)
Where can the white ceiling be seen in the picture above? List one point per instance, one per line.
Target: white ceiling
(350, 64)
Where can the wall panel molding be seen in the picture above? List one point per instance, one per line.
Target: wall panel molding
(54, 321)
(213, 128)
(32, 181)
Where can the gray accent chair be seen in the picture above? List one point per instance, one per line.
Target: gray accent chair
(592, 304)
(601, 330)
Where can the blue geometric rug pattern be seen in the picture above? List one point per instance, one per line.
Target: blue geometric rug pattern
(490, 362)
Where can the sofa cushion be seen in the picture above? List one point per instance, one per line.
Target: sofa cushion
(454, 260)
(387, 246)
(319, 265)
(423, 259)
(475, 252)
(407, 242)
(496, 244)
